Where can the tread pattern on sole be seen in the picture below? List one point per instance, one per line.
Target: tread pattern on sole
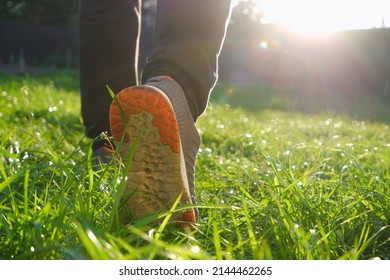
(135, 100)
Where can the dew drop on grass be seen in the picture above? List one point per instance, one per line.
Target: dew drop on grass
(15, 148)
(104, 188)
(195, 249)
(25, 89)
(119, 180)
(91, 236)
(338, 124)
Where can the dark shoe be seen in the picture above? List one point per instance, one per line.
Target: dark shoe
(102, 151)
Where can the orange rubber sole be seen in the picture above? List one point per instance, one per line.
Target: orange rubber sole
(157, 173)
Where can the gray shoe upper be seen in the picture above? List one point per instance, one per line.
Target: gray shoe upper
(189, 135)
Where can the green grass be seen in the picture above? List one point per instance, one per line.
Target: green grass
(271, 184)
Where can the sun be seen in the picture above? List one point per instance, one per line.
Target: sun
(319, 17)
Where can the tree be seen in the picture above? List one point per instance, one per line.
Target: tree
(48, 12)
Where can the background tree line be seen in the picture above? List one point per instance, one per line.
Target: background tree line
(65, 12)
(45, 12)
(45, 32)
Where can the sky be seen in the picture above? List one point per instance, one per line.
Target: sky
(323, 16)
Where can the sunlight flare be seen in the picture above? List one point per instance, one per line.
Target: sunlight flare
(318, 17)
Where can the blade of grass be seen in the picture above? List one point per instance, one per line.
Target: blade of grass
(217, 241)
(25, 191)
(8, 181)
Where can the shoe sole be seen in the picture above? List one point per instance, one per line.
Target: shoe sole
(157, 174)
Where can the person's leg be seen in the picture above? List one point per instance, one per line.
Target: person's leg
(177, 80)
(109, 32)
(188, 39)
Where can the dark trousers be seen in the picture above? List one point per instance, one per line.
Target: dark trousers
(188, 38)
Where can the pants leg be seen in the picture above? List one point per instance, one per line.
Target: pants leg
(189, 36)
(109, 33)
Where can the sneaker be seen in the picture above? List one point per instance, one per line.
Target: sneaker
(102, 151)
(160, 170)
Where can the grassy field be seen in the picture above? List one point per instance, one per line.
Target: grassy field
(271, 184)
